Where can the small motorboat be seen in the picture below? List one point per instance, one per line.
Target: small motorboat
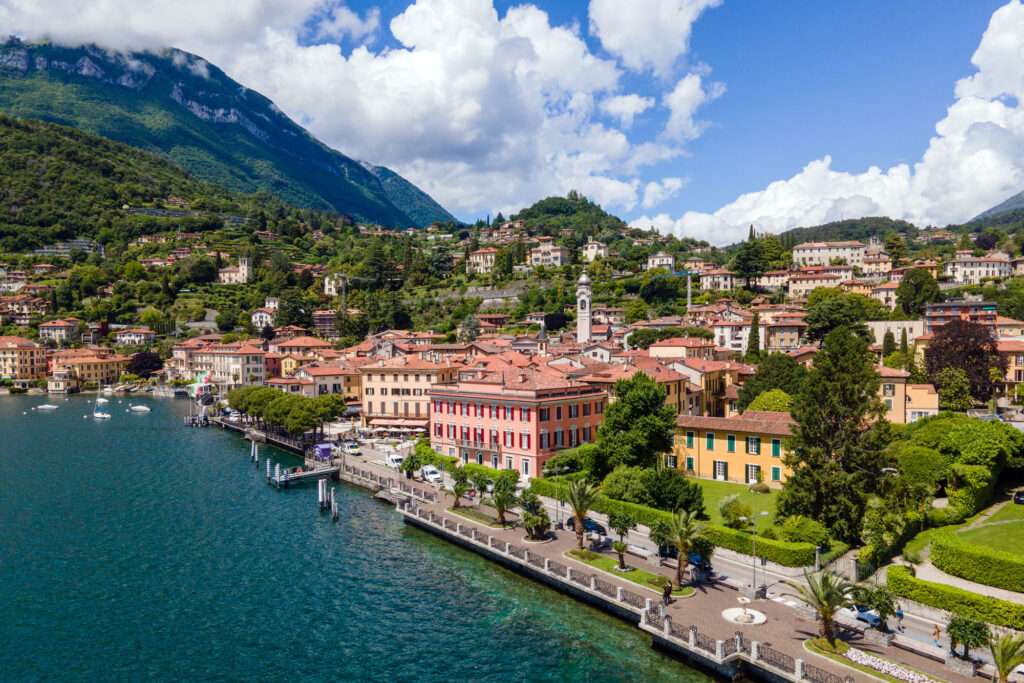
(139, 409)
(100, 415)
(101, 401)
(47, 406)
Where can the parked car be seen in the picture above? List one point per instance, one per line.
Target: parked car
(1018, 497)
(351, 448)
(431, 474)
(993, 417)
(865, 614)
(588, 525)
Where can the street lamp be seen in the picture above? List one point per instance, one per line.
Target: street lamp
(753, 563)
(558, 503)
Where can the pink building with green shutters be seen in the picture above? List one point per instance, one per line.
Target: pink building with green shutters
(512, 419)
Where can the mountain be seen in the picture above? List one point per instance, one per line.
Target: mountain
(178, 106)
(58, 183)
(1002, 214)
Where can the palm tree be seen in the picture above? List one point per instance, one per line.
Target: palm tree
(457, 491)
(502, 501)
(580, 496)
(621, 547)
(1007, 654)
(682, 530)
(826, 593)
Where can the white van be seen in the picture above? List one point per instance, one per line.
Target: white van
(430, 474)
(393, 460)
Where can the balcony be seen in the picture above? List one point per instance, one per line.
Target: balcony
(478, 445)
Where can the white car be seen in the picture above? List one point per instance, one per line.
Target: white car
(351, 448)
(430, 474)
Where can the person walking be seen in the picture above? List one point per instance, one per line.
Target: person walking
(666, 592)
(935, 635)
(899, 618)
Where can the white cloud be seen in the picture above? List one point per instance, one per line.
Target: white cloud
(975, 161)
(626, 107)
(682, 103)
(340, 22)
(480, 110)
(656, 192)
(646, 33)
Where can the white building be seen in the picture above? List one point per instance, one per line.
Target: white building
(482, 260)
(661, 260)
(547, 253)
(134, 337)
(592, 249)
(236, 275)
(717, 280)
(967, 269)
(231, 364)
(262, 317)
(822, 253)
(271, 303)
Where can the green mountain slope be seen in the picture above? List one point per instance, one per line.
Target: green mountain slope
(180, 107)
(58, 183)
(417, 204)
(851, 229)
(1006, 213)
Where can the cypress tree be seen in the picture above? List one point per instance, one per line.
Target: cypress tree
(754, 340)
(888, 344)
(903, 342)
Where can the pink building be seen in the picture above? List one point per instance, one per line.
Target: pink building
(512, 419)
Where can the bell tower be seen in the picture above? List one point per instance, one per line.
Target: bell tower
(583, 301)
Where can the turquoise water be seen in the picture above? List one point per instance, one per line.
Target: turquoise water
(137, 548)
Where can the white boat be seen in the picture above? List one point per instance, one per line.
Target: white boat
(101, 400)
(108, 390)
(98, 414)
(139, 409)
(47, 406)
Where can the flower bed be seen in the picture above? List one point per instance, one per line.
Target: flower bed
(885, 667)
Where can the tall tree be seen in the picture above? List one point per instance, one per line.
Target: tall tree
(916, 289)
(775, 371)
(581, 497)
(904, 347)
(749, 262)
(840, 311)
(888, 344)
(836, 458)
(896, 247)
(638, 427)
(826, 593)
(972, 348)
(754, 339)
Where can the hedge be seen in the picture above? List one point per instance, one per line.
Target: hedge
(959, 557)
(956, 600)
(945, 516)
(877, 555)
(780, 552)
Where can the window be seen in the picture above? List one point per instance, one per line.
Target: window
(888, 404)
(526, 466)
(508, 464)
(543, 414)
(888, 390)
(776, 473)
(558, 438)
(730, 443)
(670, 461)
(586, 410)
(689, 439)
(545, 440)
(776, 448)
(574, 411)
(754, 445)
(508, 413)
(524, 414)
(710, 441)
(689, 463)
(598, 407)
(558, 412)
(586, 434)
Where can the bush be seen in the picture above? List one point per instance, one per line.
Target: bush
(506, 479)
(759, 487)
(800, 529)
(921, 464)
(731, 509)
(972, 487)
(959, 557)
(428, 456)
(956, 600)
(878, 552)
(945, 516)
(584, 554)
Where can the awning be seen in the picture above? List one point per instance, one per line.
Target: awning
(409, 423)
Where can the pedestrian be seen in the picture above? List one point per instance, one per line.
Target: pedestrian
(899, 618)
(935, 635)
(666, 592)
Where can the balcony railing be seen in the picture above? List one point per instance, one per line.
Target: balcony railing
(478, 445)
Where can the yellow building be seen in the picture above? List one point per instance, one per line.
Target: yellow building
(394, 392)
(22, 360)
(733, 448)
(98, 369)
(904, 402)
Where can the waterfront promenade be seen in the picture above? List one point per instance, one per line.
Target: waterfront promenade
(782, 636)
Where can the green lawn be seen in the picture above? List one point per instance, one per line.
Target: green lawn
(715, 491)
(1009, 511)
(640, 577)
(478, 515)
(1008, 536)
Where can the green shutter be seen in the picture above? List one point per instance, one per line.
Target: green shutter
(710, 441)
(689, 464)
(776, 448)
(689, 439)
(776, 473)
(730, 443)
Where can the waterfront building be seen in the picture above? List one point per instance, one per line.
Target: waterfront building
(70, 371)
(395, 392)
(733, 448)
(21, 360)
(512, 419)
(231, 365)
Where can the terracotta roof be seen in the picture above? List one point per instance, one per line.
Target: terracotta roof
(752, 421)
(688, 342)
(892, 372)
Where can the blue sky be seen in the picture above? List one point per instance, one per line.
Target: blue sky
(699, 117)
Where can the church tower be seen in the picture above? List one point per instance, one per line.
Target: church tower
(583, 301)
(244, 269)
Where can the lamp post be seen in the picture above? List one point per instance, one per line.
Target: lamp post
(558, 506)
(753, 563)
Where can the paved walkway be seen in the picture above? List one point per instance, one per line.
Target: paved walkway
(929, 572)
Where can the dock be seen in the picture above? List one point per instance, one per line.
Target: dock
(286, 477)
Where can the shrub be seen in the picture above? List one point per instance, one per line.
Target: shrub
(973, 486)
(921, 464)
(959, 557)
(731, 509)
(759, 487)
(627, 484)
(584, 554)
(945, 516)
(956, 600)
(800, 529)
(502, 479)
